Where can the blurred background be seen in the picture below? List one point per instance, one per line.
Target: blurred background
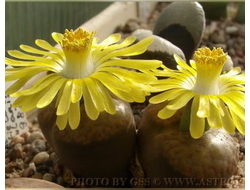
(27, 21)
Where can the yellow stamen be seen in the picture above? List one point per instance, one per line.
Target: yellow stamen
(77, 41)
(77, 49)
(209, 64)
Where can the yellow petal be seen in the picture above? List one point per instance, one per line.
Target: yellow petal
(109, 105)
(21, 55)
(233, 105)
(126, 96)
(25, 72)
(137, 93)
(30, 49)
(115, 85)
(227, 121)
(99, 52)
(166, 95)
(203, 110)
(216, 102)
(137, 77)
(135, 49)
(239, 123)
(197, 125)
(226, 82)
(57, 37)
(138, 48)
(76, 94)
(45, 45)
(51, 93)
(214, 118)
(18, 63)
(61, 121)
(110, 81)
(166, 113)
(90, 108)
(95, 93)
(18, 102)
(38, 86)
(64, 102)
(236, 96)
(74, 115)
(31, 101)
(18, 84)
(234, 88)
(193, 64)
(114, 38)
(234, 71)
(183, 64)
(181, 100)
(133, 64)
(59, 95)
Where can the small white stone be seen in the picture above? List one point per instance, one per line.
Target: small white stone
(40, 158)
(18, 139)
(34, 136)
(32, 165)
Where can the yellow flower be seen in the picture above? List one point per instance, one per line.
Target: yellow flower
(215, 98)
(82, 69)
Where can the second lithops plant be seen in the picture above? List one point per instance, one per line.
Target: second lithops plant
(181, 136)
(81, 99)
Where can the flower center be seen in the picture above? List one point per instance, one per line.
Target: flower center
(77, 49)
(209, 64)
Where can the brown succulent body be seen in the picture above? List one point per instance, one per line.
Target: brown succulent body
(98, 149)
(177, 159)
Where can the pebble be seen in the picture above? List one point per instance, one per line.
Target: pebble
(54, 158)
(49, 177)
(32, 165)
(237, 177)
(218, 37)
(38, 145)
(37, 175)
(28, 172)
(42, 169)
(34, 136)
(223, 46)
(27, 147)
(17, 151)
(25, 135)
(231, 30)
(18, 148)
(242, 147)
(131, 26)
(137, 120)
(228, 65)
(57, 169)
(60, 181)
(67, 175)
(40, 158)
(10, 167)
(242, 180)
(7, 160)
(18, 139)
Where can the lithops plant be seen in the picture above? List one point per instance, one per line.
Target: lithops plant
(83, 113)
(184, 132)
(215, 10)
(182, 23)
(161, 49)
